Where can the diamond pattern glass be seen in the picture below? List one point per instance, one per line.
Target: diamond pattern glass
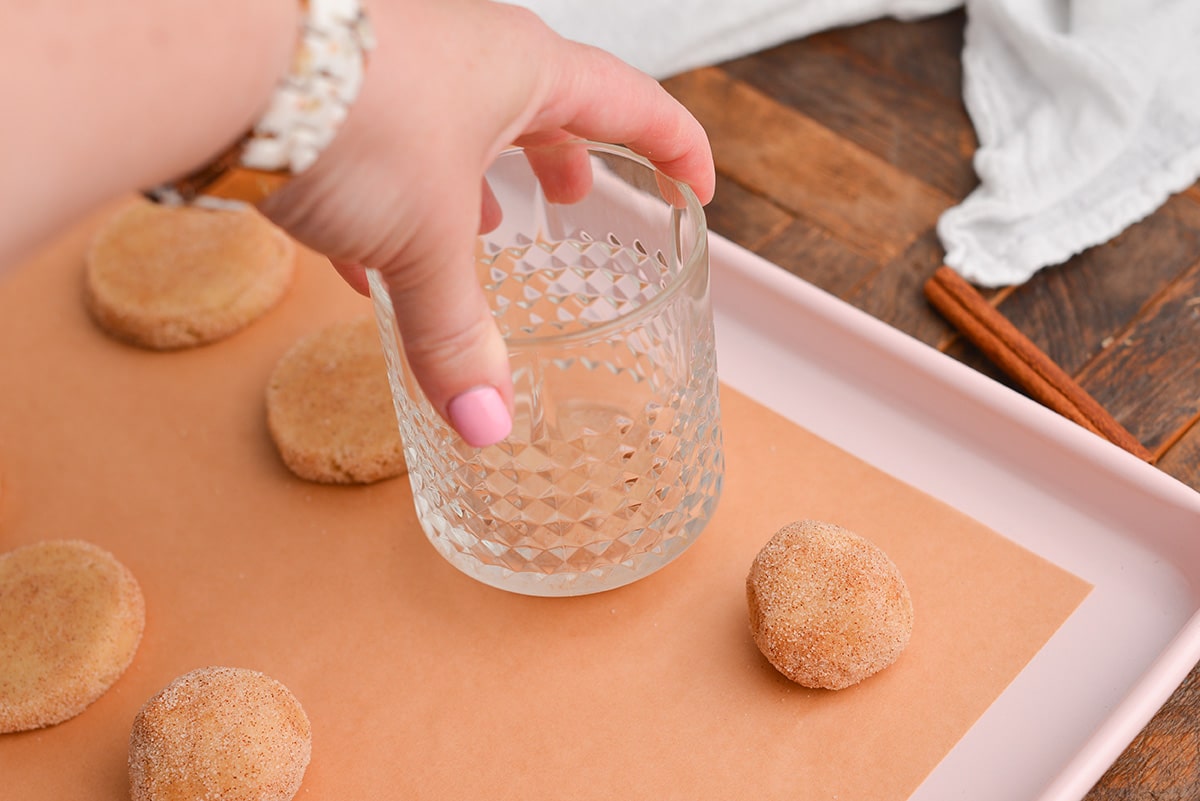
(615, 462)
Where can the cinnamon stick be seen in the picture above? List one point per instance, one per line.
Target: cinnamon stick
(1021, 360)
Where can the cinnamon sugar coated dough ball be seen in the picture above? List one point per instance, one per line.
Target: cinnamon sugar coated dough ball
(329, 407)
(828, 608)
(166, 278)
(71, 618)
(219, 733)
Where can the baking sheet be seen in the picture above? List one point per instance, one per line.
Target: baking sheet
(421, 681)
(1061, 493)
(1126, 527)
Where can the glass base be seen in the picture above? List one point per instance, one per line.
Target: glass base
(565, 584)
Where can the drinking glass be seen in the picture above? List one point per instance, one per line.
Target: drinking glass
(614, 464)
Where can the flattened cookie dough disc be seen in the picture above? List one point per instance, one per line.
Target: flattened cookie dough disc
(222, 733)
(166, 278)
(71, 618)
(828, 608)
(329, 408)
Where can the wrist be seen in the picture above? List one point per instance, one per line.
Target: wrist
(301, 118)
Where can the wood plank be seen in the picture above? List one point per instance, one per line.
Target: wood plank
(1150, 378)
(922, 133)
(808, 170)
(806, 250)
(895, 293)
(1182, 459)
(742, 216)
(1073, 310)
(926, 53)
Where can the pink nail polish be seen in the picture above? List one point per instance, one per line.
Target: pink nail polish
(480, 416)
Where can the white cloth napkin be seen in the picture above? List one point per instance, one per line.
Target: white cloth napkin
(1087, 111)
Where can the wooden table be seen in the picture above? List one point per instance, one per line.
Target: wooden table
(836, 154)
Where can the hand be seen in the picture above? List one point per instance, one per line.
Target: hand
(450, 84)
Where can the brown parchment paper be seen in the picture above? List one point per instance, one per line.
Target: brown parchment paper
(421, 683)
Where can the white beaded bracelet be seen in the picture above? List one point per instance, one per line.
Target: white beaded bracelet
(303, 115)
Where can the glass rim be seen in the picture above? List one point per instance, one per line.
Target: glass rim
(689, 266)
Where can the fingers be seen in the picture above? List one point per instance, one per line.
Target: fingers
(449, 337)
(353, 274)
(599, 97)
(489, 210)
(564, 170)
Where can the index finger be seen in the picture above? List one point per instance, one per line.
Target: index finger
(599, 97)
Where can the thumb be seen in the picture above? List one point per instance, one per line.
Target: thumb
(451, 342)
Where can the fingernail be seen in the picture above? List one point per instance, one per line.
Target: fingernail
(480, 416)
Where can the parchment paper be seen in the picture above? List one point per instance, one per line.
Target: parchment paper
(420, 682)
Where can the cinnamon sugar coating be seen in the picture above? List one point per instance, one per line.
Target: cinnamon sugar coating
(828, 608)
(219, 733)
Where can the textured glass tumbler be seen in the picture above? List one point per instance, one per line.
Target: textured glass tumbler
(615, 462)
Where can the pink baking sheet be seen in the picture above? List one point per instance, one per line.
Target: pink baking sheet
(419, 680)
(1086, 505)
(1078, 503)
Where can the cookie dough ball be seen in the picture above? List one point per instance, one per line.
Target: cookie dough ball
(827, 607)
(71, 618)
(329, 407)
(164, 278)
(222, 733)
